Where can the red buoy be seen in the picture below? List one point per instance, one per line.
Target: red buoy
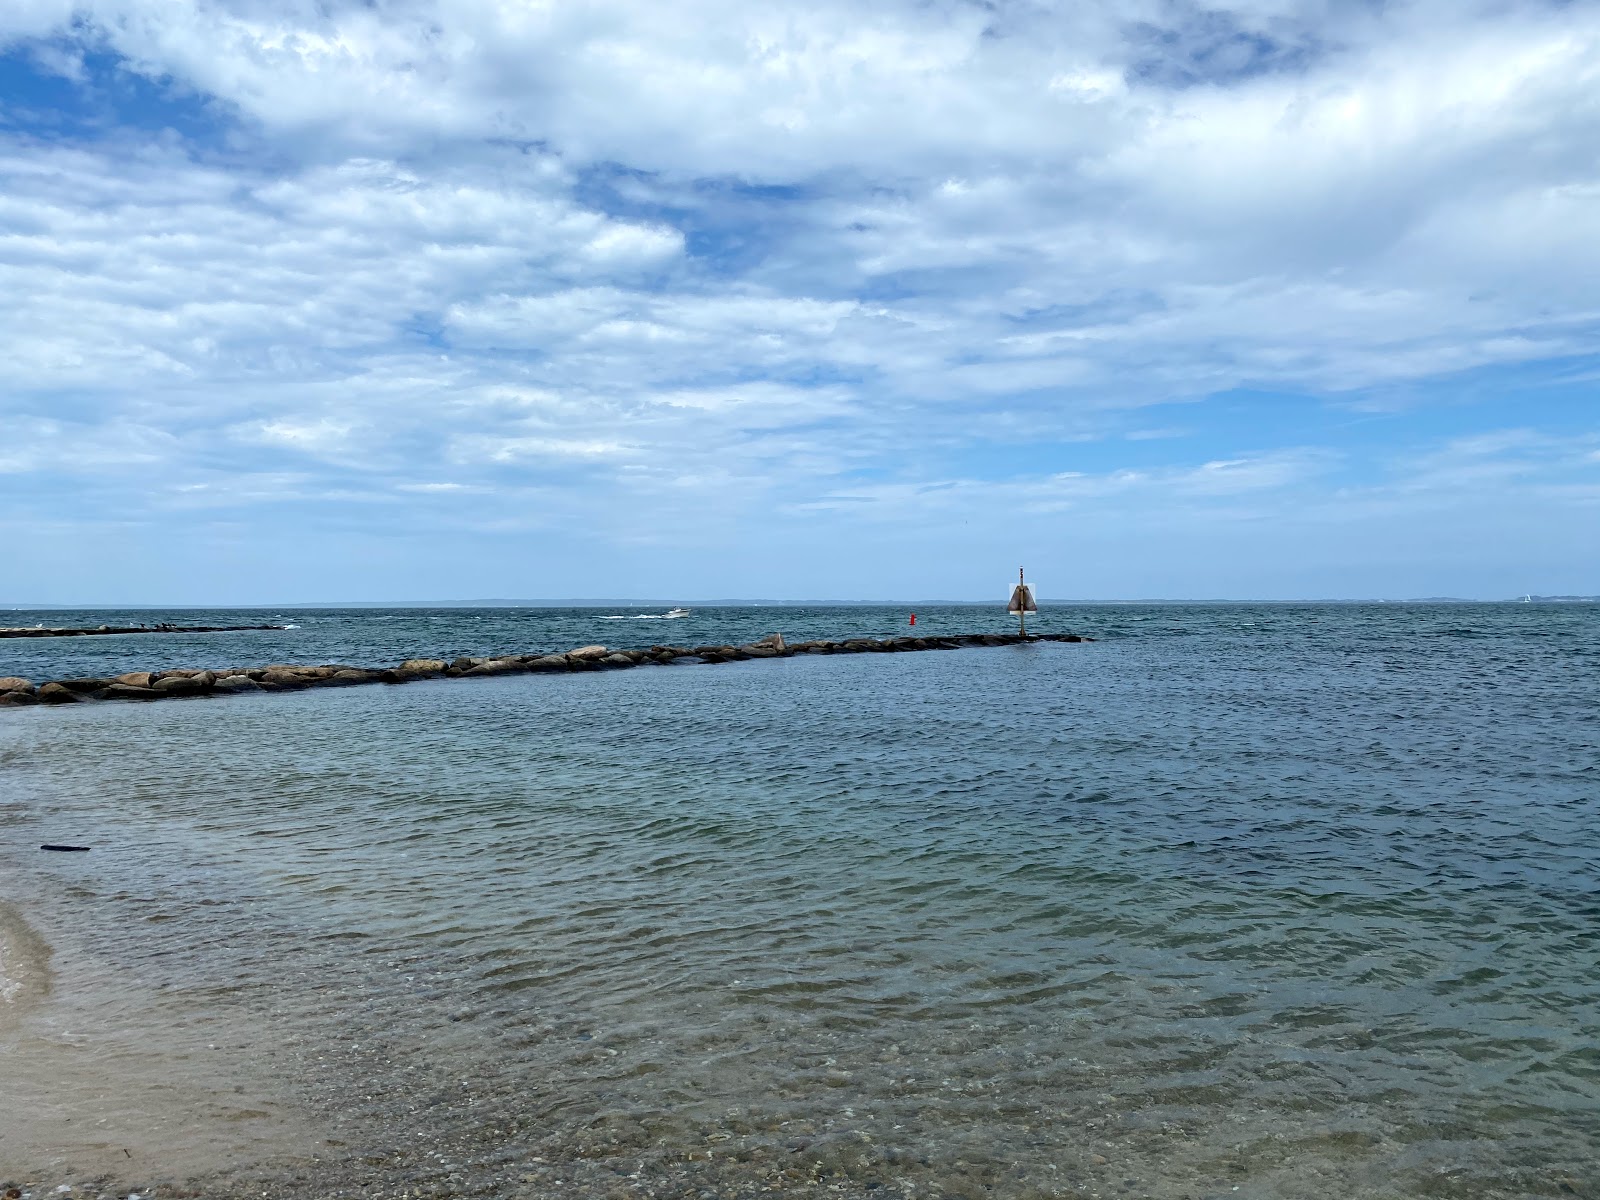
(913, 618)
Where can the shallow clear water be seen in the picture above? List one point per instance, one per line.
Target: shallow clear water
(1238, 901)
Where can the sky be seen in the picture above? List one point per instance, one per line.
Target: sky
(447, 299)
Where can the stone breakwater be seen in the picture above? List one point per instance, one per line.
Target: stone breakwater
(164, 685)
(40, 631)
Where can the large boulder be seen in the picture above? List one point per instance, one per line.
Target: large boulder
(423, 666)
(588, 653)
(55, 693)
(617, 660)
(84, 686)
(237, 683)
(350, 677)
(15, 683)
(773, 641)
(497, 666)
(141, 679)
(546, 662)
(10, 699)
(281, 678)
(128, 691)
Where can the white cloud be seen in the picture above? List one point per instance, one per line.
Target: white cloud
(743, 252)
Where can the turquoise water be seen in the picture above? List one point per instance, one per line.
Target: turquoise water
(1237, 901)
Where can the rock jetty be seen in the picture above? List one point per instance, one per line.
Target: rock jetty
(39, 631)
(166, 685)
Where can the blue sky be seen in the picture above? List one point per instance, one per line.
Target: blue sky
(425, 300)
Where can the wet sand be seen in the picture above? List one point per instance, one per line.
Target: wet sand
(108, 1088)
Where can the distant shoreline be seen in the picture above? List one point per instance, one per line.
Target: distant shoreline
(46, 631)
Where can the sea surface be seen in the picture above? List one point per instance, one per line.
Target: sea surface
(1235, 901)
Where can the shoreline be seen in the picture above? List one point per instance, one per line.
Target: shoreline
(25, 976)
(16, 691)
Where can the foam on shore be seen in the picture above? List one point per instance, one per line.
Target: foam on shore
(24, 965)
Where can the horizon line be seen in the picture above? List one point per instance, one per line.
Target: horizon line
(756, 602)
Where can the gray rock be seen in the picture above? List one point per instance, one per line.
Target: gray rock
(55, 693)
(141, 679)
(588, 653)
(15, 683)
(424, 666)
(129, 691)
(498, 666)
(617, 660)
(237, 683)
(547, 662)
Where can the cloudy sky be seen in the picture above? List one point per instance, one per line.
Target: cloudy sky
(444, 299)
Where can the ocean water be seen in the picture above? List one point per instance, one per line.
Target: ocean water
(1255, 901)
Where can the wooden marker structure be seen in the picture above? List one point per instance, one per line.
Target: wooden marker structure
(1022, 603)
